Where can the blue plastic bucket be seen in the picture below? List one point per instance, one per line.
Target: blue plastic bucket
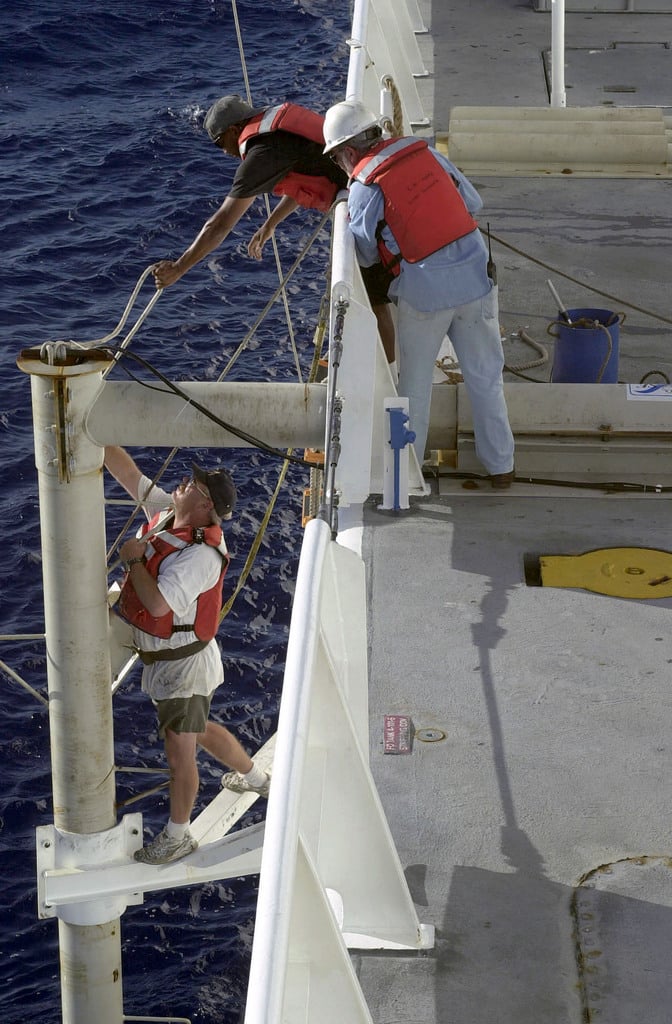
(586, 350)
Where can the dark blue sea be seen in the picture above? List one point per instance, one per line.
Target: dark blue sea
(105, 170)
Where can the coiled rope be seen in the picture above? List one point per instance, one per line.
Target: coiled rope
(396, 126)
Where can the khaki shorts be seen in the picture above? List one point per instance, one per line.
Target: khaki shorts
(182, 714)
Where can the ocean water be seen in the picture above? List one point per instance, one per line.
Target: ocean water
(105, 169)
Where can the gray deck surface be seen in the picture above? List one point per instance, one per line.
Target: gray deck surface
(536, 836)
(612, 234)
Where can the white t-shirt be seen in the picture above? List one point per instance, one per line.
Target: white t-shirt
(183, 576)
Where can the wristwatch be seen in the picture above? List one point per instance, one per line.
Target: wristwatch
(133, 561)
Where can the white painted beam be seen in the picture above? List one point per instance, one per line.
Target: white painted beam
(281, 415)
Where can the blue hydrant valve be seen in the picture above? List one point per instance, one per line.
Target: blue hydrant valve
(400, 436)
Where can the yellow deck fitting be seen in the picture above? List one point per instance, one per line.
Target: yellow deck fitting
(443, 457)
(617, 572)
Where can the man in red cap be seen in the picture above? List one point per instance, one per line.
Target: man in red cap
(172, 597)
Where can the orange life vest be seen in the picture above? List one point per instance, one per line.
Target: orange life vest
(423, 207)
(316, 192)
(209, 603)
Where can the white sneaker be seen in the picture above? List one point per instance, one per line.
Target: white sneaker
(163, 848)
(237, 784)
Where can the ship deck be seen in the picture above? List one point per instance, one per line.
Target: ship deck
(532, 814)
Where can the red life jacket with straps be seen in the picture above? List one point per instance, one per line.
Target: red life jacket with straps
(312, 191)
(209, 603)
(423, 207)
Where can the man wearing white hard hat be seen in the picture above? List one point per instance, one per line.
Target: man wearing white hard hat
(413, 211)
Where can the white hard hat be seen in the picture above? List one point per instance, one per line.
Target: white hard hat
(344, 121)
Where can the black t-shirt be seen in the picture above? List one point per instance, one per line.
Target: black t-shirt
(270, 157)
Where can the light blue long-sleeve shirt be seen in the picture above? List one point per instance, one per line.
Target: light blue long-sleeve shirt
(450, 277)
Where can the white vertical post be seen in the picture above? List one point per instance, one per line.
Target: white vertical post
(356, 372)
(558, 95)
(70, 482)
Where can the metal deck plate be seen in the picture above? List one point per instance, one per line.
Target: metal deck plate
(624, 942)
(619, 74)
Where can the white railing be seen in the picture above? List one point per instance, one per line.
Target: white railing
(330, 875)
(383, 48)
(364, 381)
(384, 56)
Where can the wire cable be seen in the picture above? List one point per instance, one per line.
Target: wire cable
(248, 93)
(290, 273)
(255, 442)
(582, 284)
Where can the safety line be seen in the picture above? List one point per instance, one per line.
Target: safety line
(318, 339)
(267, 203)
(610, 487)
(582, 284)
(290, 273)
(256, 544)
(138, 505)
(255, 442)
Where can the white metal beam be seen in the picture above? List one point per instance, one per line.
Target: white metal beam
(321, 984)
(66, 887)
(281, 415)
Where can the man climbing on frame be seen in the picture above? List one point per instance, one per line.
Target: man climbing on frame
(172, 596)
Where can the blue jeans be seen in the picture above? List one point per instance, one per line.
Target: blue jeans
(474, 332)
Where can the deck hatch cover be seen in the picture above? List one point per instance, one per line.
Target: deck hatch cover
(638, 573)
